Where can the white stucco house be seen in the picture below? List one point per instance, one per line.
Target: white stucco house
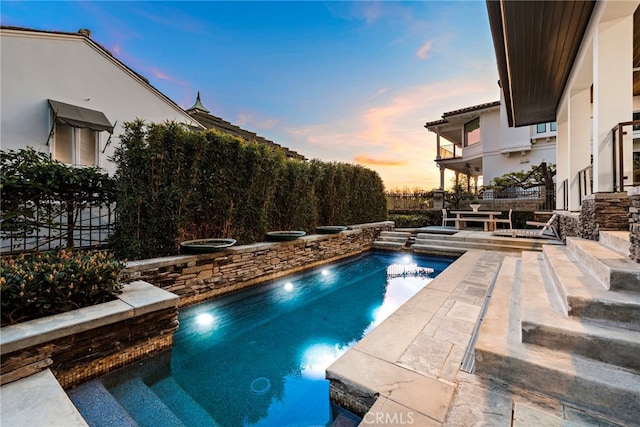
(478, 141)
(65, 94)
(591, 87)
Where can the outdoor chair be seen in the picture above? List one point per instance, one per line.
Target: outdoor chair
(548, 230)
(506, 220)
(446, 218)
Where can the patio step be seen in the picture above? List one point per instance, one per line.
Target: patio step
(544, 322)
(99, 407)
(616, 240)
(392, 240)
(561, 373)
(612, 269)
(474, 240)
(181, 403)
(143, 405)
(583, 295)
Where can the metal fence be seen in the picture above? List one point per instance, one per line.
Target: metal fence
(81, 228)
(532, 199)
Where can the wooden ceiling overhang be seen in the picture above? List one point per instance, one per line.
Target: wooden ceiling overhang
(536, 43)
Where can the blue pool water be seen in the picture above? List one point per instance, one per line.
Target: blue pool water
(258, 357)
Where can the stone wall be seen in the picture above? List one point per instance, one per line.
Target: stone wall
(197, 278)
(88, 343)
(634, 223)
(568, 224)
(603, 211)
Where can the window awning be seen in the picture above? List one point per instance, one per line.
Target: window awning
(80, 117)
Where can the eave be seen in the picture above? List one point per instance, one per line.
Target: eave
(536, 43)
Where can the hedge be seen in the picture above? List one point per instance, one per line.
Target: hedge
(176, 184)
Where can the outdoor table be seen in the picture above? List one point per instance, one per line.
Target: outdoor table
(486, 217)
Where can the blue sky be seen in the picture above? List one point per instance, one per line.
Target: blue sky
(339, 81)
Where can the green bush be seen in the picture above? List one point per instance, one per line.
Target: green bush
(43, 284)
(175, 184)
(417, 220)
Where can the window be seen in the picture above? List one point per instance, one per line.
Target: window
(541, 128)
(552, 126)
(636, 116)
(76, 146)
(472, 132)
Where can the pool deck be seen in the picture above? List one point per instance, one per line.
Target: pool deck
(413, 366)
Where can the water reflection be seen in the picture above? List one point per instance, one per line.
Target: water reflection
(288, 336)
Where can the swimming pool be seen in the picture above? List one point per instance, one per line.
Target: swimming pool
(258, 357)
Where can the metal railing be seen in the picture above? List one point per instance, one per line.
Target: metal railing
(617, 135)
(88, 227)
(564, 188)
(585, 183)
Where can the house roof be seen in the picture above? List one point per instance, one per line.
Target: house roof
(202, 115)
(85, 35)
(536, 43)
(461, 111)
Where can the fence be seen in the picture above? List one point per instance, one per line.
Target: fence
(81, 228)
(524, 199)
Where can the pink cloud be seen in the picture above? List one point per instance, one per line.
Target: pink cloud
(423, 52)
(158, 74)
(366, 160)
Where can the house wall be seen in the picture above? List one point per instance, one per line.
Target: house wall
(71, 69)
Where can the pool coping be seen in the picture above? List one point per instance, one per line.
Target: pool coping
(408, 365)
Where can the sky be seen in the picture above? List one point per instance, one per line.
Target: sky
(351, 82)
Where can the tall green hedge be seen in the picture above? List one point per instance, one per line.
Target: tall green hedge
(176, 184)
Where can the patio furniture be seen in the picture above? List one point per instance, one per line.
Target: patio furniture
(446, 218)
(548, 230)
(505, 220)
(488, 218)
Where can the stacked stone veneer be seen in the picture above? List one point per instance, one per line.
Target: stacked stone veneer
(603, 211)
(90, 342)
(197, 278)
(634, 223)
(568, 224)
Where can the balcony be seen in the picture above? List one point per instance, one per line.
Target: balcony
(450, 151)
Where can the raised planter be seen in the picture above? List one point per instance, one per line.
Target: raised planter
(281, 236)
(202, 246)
(331, 229)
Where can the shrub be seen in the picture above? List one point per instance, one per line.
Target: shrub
(417, 219)
(175, 184)
(47, 283)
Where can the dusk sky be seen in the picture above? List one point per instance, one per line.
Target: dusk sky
(338, 81)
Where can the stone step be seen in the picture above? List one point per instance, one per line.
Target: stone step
(496, 241)
(544, 324)
(182, 404)
(424, 244)
(616, 240)
(436, 249)
(613, 270)
(395, 234)
(144, 406)
(99, 407)
(389, 246)
(583, 296)
(392, 239)
(578, 381)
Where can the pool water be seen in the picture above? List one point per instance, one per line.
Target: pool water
(258, 357)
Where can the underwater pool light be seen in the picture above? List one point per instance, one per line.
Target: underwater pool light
(288, 286)
(325, 272)
(204, 319)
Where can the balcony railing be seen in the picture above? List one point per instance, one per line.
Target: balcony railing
(617, 134)
(448, 152)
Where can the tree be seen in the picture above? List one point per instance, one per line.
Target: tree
(539, 175)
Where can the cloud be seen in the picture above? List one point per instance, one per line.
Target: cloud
(366, 160)
(250, 119)
(158, 74)
(424, 50)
